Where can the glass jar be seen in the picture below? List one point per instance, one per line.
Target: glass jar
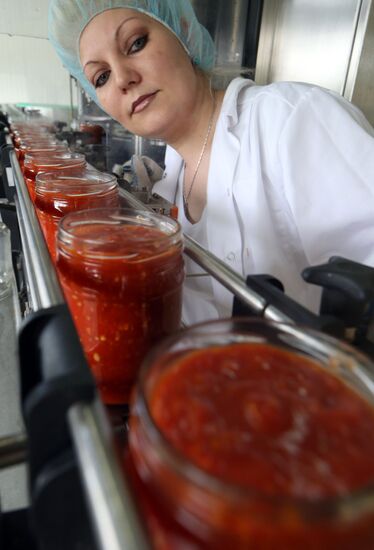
(58, 193)
(35, 163)
(43, 147)
(20, 137)
(122, 273)
(28, 132)
(94, 132)
(31, 141)
(245, 434)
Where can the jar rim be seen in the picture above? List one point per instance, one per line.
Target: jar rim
(43, 145)
(85, 182)
(361, 499)
(29, 157)
(115, 217)
(54, 161)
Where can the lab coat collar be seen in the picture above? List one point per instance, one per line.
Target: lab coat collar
(167, 186)
(232, 101)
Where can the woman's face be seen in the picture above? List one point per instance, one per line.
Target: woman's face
(142, 74)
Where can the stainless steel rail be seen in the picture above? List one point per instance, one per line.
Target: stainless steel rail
(112, 508)
(229, 278)
(44, 287)
(115, 530)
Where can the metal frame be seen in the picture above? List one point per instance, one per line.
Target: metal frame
(286, 27)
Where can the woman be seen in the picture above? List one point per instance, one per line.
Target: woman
(271, 179)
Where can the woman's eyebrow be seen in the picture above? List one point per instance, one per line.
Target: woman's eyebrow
(122, 24)
(90, 63)
(116, 35)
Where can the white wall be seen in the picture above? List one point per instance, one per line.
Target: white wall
(30, 71)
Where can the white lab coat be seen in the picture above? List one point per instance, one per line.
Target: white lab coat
(291, 183)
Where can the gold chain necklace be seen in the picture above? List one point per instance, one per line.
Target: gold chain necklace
(186, 196)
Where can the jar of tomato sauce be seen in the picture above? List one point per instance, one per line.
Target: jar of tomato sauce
(20, 137)
(252, 435)
(49, 162)
(58, 193)
(122, 272)
(32, 140)
(42, 147)
(19, 131)
(94, 132)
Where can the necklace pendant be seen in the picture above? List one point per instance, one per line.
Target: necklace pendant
(186, 211)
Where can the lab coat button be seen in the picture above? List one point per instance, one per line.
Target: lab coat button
(231, 257)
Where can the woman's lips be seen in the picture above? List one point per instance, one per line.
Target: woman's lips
(142, 102)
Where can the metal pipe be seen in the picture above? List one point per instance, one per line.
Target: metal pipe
(32, 290)
(110, 502)
(224, 274)
(13, 450)
(138, 145)
(44, 285)
(229, 278)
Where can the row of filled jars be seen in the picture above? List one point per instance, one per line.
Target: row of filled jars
(121, 271)
(242, 434)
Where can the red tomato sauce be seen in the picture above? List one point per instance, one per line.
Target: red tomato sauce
(279, 424)
(48, 163)
(280, 429)
(41, 148)
(124, 297)
(51, 208)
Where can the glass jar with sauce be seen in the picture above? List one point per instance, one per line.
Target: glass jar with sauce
(122, 272)
(41, 147)
(18, 131)
(32, 140)
(94, 132)
(58, 193)
(35, 163)
(252, 435)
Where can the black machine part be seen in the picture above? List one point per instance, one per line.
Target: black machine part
(347, 304)
(348, 294)
(54, 375)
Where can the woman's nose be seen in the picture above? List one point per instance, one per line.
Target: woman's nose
(124, 76)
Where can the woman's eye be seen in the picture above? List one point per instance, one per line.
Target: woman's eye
(101, 80)
(138, 44)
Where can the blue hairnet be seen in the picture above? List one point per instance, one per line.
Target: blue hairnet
(68, 18)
